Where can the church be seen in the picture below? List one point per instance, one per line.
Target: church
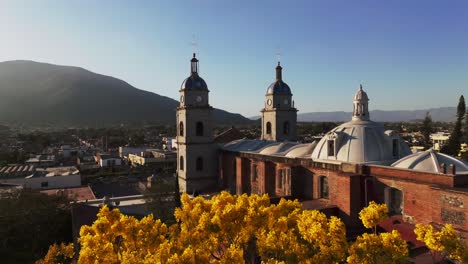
(357, 162)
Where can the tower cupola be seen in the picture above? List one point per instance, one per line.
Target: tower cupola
(361, 106)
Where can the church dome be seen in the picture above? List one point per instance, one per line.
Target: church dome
(194, 82)
(279, 87)
(361, 142)
(430, 161)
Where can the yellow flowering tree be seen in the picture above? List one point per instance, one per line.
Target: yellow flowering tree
(58, 254)
(377, 248)
(446, 242)
(225, 229)
(373, 215)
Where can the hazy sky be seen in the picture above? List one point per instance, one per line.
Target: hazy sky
(407, 54)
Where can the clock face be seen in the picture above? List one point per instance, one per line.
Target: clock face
(286, 101)
(182, 99)
(199, 99)
(269, 101)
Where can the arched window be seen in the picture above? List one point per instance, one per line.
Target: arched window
(331, 147)
(181, 163)
(394, 200)
(199, 165)
(199, 129)
(324, 191)
(268, 128)
(181, 129)
(286, 128)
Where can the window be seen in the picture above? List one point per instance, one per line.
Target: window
(286, 128)
(331, 147)
(181, 163)
(44, 184)
(394, 200)
(395, 148)
(283, 181)
(324, 190)
(181, 129)
(199, 165)
(199, 129)
(268, 128)
(254, 173)
(280, 179)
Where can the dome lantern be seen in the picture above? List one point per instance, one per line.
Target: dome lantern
(194, 65)
(361, 106)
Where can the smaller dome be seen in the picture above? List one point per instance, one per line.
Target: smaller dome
(194, 82)
(278, 148)
(361, 95)
(430, 161)
(301, 150)
(279, 87)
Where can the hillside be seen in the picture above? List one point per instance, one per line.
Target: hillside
(33, 93)
(444, 114)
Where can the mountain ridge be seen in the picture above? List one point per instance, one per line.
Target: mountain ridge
(38, 93)
(445, 114)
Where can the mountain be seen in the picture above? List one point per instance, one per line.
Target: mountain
(33, 93)
(446, 114)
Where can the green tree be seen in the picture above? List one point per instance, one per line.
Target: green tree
(453, 145)
(466, 127)
(427, 129)
(31, 221)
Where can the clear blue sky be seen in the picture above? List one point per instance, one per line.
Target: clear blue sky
(408, 54)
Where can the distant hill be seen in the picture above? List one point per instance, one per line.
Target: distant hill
(33, 93)
(446, 114)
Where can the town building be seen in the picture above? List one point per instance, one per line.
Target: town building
(155, 158)
(106, 160)
(355, 163)
(40, 178)
(439, 139)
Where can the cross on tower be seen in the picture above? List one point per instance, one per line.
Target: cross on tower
(194, 44)
(278, 55)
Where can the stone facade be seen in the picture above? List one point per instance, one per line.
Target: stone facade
(196, 149)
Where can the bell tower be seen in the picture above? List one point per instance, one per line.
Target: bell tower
(196, 150)
(279, 116)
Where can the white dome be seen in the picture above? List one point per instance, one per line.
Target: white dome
(430, 161)
(361, 142)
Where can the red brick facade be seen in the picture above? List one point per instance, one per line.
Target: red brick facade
(420, 197)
